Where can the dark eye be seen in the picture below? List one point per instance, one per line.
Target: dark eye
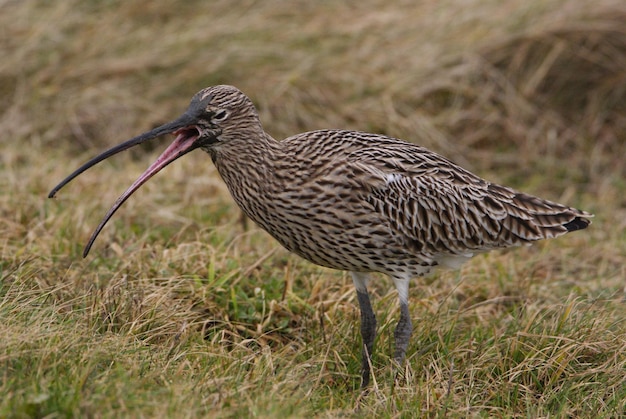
(220, 115)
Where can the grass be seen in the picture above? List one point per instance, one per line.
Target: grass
(183, 310)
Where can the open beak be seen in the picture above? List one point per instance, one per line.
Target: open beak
(187, 134)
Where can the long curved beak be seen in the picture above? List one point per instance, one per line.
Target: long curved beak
(186, 133)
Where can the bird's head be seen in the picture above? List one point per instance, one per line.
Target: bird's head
(219, 114)
(213, 117)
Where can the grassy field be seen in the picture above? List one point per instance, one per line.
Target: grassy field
(184, 309)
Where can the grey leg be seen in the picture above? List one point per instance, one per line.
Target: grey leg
(368, 324)
(402, 333)
(404, 329)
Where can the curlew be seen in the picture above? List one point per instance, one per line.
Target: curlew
(352, 201)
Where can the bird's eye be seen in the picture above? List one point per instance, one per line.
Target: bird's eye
(220, 115)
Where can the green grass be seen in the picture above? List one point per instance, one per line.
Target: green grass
(184, 310)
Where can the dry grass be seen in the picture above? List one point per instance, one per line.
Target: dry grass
(180, 311)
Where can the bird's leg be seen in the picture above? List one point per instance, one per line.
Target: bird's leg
(405, 326)
(402, 333)
(368, 334)
(368, 324)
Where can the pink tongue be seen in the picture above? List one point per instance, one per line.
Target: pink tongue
(183, 143)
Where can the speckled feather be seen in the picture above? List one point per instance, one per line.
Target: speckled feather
(366, 202)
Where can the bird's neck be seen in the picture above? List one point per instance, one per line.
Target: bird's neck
(247, 167)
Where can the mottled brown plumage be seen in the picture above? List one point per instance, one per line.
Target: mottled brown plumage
(353, 201)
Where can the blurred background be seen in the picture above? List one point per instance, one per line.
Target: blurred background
(510, 86)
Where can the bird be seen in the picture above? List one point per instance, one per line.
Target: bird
(353, 201)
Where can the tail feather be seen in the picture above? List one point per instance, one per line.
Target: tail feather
(546, 219)
(577, 223)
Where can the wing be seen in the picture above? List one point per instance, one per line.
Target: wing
(437, 207)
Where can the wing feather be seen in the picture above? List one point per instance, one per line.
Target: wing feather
(438, 207)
